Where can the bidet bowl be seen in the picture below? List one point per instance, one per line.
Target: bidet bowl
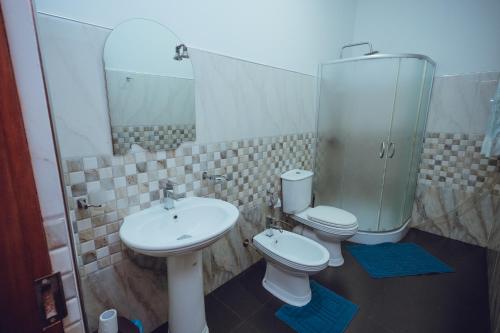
(292, 251)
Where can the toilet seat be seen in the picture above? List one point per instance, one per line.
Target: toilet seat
(348, 228)
(332, 216)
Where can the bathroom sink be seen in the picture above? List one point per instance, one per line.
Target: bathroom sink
(193, 224)
(179, 234)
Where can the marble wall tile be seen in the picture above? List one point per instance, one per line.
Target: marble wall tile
(104, 290)
(69, 285)
(465, 216)
(73, 67)
(237, 99)
(147, 294)
(56, 232)
(74, 314)
(227, 257)
(23, 47)
(459, 103)
(60, 259)
(494, 239)
(45, 167)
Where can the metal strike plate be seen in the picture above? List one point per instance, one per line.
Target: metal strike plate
(50, 299)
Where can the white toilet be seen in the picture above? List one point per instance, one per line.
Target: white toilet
(324, 224)
(290, 259)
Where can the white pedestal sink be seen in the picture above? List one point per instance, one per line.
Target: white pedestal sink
(179, 234)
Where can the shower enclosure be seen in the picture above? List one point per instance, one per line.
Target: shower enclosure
(372, 112)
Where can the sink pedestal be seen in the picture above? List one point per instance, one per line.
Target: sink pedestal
(185, 294)
(180, 235)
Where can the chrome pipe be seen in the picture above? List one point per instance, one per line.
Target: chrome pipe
(354, 45)
(381, 56)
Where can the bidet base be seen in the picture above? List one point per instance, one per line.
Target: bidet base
(290, 287)
(185, 294)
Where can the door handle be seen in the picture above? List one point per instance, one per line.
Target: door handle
(391, 150)
(381, 152)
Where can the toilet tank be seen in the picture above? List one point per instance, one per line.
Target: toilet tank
(296, 187)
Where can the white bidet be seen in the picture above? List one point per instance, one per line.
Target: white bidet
(290, 259)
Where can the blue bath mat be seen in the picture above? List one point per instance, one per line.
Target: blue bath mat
(326, 312)
(396, 259)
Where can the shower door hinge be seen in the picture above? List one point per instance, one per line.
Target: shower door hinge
(50, 299)
(382, 149)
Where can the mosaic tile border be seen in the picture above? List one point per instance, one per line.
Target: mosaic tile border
(151, 138)
(130, 183)
(450, 159)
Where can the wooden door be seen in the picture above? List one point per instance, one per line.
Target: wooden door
(23, 249)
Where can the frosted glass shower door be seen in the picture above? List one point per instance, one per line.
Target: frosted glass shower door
(355, 112)
(401, 143)
(419, 137)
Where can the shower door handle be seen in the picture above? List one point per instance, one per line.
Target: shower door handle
(381, 152)
(391, 150)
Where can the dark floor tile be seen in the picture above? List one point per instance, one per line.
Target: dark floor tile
(429, 303)
(239, 297)
(265, 320)
(220, 319)
(363, 324)
(441, 303)
(162, 329)
(245, 327)
(251, 280)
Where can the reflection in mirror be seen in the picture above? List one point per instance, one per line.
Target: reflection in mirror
(150, 85)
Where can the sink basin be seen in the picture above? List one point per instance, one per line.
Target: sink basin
(179, 234)
(193, 224)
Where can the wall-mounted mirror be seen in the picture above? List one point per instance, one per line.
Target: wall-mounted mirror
(150, 87)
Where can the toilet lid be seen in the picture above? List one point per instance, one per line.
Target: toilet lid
(332, 216)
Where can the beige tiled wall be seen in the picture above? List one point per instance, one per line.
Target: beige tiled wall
(113, 276)
(123, 185)
(458, 188)
(151, 137)
(455, 160)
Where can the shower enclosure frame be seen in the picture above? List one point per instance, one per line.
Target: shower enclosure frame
(394, 235)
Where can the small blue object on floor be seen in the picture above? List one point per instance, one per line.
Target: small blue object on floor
(326, 312)
(138, 323)
(396, 259)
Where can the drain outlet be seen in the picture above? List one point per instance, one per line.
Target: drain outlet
(184, 237)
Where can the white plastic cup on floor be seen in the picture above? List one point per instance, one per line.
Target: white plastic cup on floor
(108, 322)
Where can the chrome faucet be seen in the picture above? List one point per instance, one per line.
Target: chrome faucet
(270, 226)
(217, 179)
(169, 197)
